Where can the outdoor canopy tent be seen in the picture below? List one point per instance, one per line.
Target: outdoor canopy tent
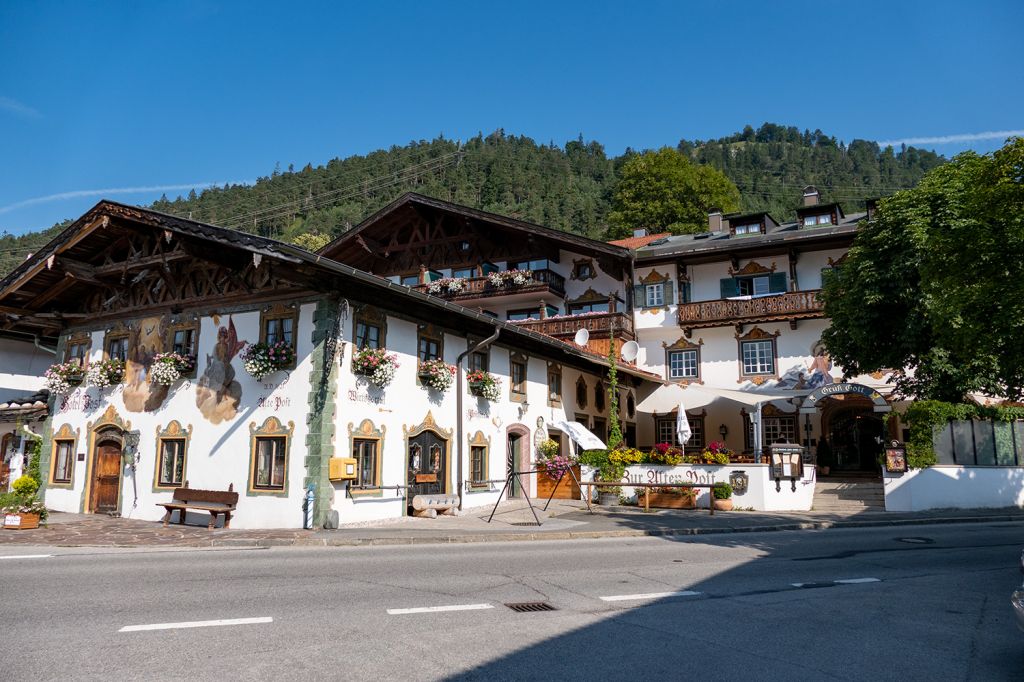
(673, 396)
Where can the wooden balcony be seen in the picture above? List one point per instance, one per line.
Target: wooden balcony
(544, 282)
(605, 329)
(787, 307)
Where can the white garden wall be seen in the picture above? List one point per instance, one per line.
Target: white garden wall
(954, 487)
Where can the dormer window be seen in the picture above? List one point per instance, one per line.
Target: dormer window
(816, 220)
(748, 229)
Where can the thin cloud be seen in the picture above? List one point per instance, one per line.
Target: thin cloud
(951, 139)
(78, 193)
(16, 107)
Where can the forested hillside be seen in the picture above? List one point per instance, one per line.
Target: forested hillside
(567, 187)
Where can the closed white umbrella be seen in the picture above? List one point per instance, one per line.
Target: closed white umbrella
(683, 430)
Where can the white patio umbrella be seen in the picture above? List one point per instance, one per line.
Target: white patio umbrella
(683, 431)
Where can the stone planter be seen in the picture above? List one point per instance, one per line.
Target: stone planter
(723, 505)
(607, 499)
(21, 521)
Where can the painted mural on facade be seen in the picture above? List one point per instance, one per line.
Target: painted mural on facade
(146, 340)
(217, 392)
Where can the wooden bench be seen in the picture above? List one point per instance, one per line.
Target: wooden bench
(428, 505)
(217, 502)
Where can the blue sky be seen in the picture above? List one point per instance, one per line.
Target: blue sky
(119, 96)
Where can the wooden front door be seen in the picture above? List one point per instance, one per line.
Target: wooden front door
(427, 465)
(106, 480)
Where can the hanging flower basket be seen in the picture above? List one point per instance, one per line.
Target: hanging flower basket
(105, 373)
(261, 360)
(63, 377)
(437, 374)
(376, 364)
(169, 367)
(483, 385)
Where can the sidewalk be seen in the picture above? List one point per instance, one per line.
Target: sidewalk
(565, 520)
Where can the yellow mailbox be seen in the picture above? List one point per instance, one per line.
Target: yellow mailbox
(342, 469)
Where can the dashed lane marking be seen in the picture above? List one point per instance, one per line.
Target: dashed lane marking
(197, 624)
(438, 609)
(649, 595)
(27, 556)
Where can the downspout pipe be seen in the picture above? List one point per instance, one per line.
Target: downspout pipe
(459, 381)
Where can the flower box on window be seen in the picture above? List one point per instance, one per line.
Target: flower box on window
(105, 373)
(376, 364)
(483, 385)
(167, 368)
(261, 360)
(510, 278)
(63, 377)
(437, 374)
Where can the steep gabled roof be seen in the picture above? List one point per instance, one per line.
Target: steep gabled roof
(46, 292)
(637, 242)
(352, 247)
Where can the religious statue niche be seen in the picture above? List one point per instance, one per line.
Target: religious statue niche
(146, 338)
(217, 392)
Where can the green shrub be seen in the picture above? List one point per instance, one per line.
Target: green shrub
(25, 486)
(593, 458)
(722, 491)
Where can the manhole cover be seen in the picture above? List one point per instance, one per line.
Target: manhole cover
(917, 541)
(524, 523)
(531, 607)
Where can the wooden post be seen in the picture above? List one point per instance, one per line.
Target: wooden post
(647, 498)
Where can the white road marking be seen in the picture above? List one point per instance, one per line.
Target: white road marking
(437, 609)
(649, 595)
(848, 581)
(196, 624)
(27, 556)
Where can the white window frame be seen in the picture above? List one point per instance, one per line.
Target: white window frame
(654, 295)
(762, 359)
(684, 365)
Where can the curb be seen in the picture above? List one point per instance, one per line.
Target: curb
(592, 535)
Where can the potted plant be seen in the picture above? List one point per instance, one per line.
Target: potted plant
(715, 453)
(167, 368)
(516, 278)
(261, 359)
(63, 377)
(21, 508)
(105, 373)
(666, 453)
(723, 496)
(376, 364)
(437, 374)
(669, 497)
(610, 472)
(484, 385)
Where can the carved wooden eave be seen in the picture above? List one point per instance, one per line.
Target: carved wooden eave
(757, 334)
(751, 268)
(654, 277)
(837, 262)
(682, 343)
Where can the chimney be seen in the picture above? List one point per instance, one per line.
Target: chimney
(714, 220)
(811, 196)
(871, 205)
(640, 232)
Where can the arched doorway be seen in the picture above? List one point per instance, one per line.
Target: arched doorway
(516, 455)
(106, 468)
(855, 435)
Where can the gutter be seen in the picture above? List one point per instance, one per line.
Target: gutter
(458, 403)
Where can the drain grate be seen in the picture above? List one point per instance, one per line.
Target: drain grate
(524, 523)
(531, 607)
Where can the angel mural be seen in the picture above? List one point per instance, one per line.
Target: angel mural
(816, 374)
(145, 340)
(217, 392)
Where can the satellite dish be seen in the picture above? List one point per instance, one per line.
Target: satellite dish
(581, 338)
(630, 350)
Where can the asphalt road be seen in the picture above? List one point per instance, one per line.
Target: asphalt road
(707, 607)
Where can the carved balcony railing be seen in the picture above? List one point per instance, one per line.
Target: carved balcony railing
(543, 281)
(790, 306)
(600, 325)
